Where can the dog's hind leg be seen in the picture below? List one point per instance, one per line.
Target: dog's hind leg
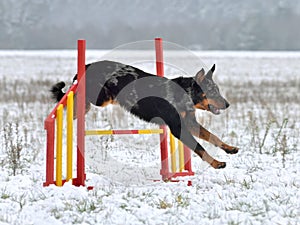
(199, 131)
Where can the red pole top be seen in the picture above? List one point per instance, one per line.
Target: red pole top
(80, 59)
(159, 57)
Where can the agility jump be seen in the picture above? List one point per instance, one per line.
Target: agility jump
(55, 132)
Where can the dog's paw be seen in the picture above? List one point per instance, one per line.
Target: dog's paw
(234, 150)
(230, 149)
(218, 165)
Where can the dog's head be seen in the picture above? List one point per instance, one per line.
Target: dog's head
(210, 98)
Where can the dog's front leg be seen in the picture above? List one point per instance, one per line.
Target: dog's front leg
(199, 131)
(181, 132)
(189, 141)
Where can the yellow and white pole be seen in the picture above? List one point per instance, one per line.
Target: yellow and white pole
(173, 153)
(59, 136)
(70, 105)
(181, 156)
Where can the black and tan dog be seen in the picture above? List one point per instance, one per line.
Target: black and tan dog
(158, 100)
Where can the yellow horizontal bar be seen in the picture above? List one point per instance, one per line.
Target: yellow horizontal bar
(153, 131)
(113, 132)
(98, 132)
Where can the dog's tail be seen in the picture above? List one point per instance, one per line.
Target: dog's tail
(56, 91)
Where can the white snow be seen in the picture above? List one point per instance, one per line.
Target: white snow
(260, 184)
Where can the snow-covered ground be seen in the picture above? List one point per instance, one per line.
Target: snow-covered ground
(260, 184)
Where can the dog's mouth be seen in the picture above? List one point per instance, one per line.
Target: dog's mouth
(214, 109)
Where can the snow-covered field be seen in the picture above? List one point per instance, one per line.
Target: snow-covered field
(260, 185)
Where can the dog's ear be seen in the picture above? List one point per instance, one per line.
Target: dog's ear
(200, 76)
(213, 68)
(210, 72)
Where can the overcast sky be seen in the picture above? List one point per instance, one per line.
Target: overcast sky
(195, 24)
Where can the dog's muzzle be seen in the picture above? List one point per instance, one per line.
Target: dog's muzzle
(214, 109)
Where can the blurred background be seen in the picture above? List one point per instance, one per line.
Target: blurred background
(194, 24)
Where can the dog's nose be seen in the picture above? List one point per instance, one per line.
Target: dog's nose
(226, 104)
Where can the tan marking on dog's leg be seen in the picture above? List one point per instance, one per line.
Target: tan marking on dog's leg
(106, 103)
(199, 131)
(204, 134)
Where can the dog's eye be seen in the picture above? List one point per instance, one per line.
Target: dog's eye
(203, 95)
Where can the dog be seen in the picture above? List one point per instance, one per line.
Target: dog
(159, 100)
